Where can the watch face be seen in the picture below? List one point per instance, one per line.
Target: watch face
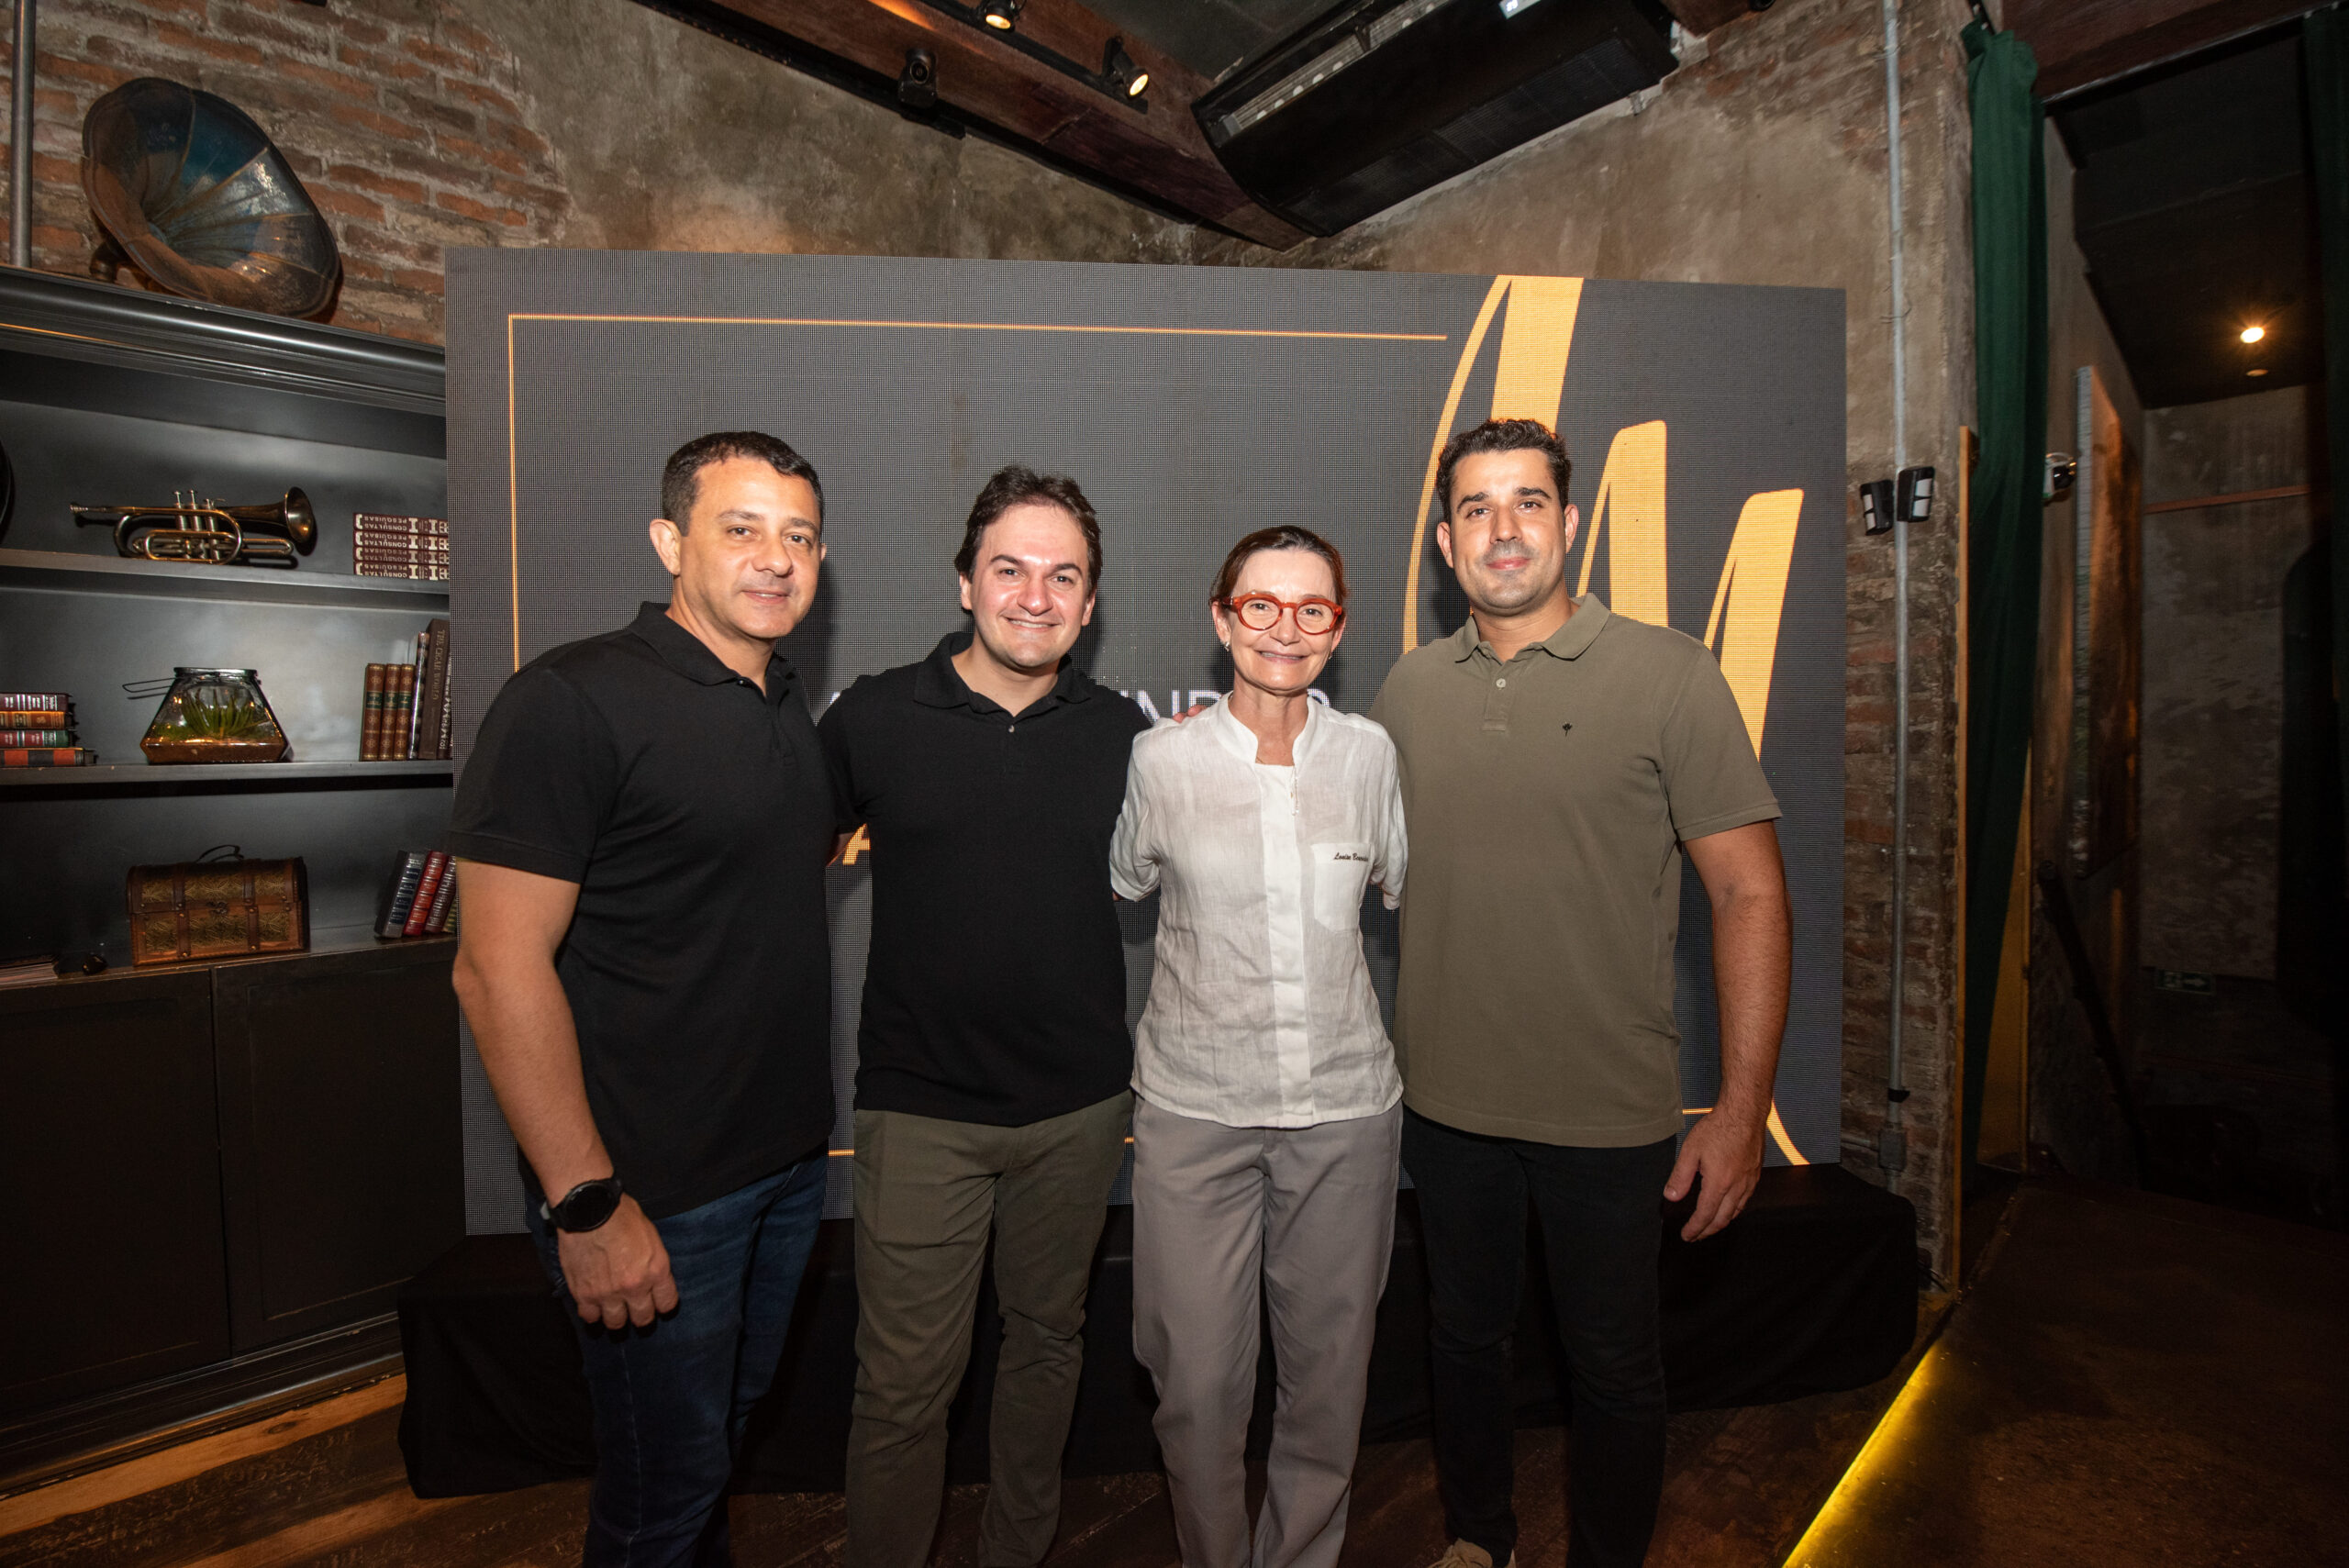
(587, 1206)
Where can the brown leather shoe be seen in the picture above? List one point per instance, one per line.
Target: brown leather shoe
(1464, 1554)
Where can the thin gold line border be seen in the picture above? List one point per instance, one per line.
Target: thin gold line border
(513, 445)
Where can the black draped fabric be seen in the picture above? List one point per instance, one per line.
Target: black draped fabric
(1813, 1289)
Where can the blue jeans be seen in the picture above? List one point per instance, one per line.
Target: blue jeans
(1601, 1212)
(671, 1400)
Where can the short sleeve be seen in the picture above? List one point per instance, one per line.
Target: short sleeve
(539, 783)
(833, 730)
(1712, 781)
(1133, 862)
(1391, 855)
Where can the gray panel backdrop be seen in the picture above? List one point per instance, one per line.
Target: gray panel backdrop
(1193, 405)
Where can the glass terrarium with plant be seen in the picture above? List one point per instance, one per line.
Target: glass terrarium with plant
(214, 715)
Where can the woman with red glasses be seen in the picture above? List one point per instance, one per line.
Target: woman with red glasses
(1268, 1110)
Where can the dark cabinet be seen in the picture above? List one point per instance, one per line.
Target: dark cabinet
(110, 1164)
(342, 1156)
(201, 1163)
(215, 1176)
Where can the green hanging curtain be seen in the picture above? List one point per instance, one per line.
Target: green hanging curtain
(2002, 559)
(2326, 46)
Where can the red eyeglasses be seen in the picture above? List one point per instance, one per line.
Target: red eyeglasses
(1261, 612)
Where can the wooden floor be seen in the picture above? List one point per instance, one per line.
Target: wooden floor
(323, 1486)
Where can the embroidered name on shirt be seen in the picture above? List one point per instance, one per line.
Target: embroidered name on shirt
(1346, 855)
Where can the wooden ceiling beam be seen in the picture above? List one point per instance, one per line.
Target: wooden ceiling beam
(2082, 43)
(1161, 152)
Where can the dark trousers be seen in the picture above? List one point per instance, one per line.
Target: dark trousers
(928, 1194)
(1600, 1214)
(671, 1400)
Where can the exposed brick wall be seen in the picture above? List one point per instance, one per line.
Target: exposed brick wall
(401, 117)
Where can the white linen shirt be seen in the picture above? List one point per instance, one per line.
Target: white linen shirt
(1260, 1009)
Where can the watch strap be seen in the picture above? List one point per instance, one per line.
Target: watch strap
(586, 1206)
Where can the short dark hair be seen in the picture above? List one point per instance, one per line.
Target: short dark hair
(1503, 435)
(680, 476)
(1286, 537)
(1014, 485)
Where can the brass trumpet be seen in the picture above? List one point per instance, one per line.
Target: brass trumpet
(193, 529)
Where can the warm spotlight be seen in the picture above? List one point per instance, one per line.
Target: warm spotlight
(2256, 370)
(2253, 334)
(1119, 68)
(1001, 15)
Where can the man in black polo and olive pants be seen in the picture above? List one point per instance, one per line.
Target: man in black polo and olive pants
(991, 1088)
(642, 826)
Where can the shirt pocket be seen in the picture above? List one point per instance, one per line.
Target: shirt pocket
(1339, 870)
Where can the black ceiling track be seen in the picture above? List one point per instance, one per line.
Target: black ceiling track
(721, 22)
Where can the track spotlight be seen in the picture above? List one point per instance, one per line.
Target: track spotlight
(2253, 334)
(918, 83)
(1119, 68)
(1001, 15)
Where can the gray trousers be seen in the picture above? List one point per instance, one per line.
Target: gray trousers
(928, 1191)
(1310, 1213)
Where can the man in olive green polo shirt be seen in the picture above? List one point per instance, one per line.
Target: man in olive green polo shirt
(1558, 760)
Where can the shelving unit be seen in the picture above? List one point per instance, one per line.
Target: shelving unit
(246, 775)
(57, 572)
(290, 1122)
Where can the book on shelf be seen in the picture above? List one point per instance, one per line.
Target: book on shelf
(397, 712)
(385, 545)
(406, 715)
(414, 903)
(371, 716)
(414, 572)
(37, 732)
(444, 900)
(432, 729)
(396, 524)
(399, 892)
(427, 886)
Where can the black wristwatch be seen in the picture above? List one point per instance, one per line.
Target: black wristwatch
(585, 1206)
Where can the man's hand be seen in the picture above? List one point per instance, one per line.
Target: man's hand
(1721, 1159)
(617, 1272)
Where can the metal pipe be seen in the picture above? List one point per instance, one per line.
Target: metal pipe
(1893, 1151)
(20, 138)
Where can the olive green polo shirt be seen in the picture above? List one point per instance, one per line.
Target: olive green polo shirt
(1546, 800)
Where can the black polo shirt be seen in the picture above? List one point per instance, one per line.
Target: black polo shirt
(996, 990)
(693, 813)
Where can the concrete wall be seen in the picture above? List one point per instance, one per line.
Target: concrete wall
(2214, 675)
(1763, 160)
(419, 125)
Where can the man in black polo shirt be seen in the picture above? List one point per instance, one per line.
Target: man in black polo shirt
(643, 827)
(994, 1057)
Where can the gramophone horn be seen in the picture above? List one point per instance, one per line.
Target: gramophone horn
(197, 197)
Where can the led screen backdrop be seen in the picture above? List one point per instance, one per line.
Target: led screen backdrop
(1194, 404)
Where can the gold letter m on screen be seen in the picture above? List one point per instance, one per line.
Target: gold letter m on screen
(1628, 509)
